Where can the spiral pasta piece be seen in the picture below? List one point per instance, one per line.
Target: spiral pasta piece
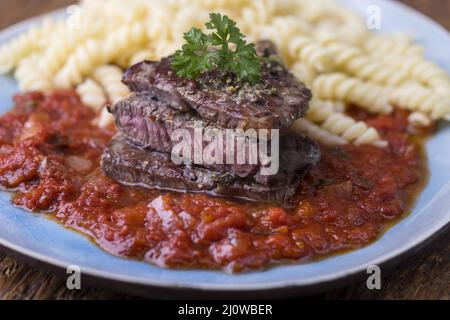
(95, 53)
(91, 94)
(290, 37)
(304, 73)
(354, 61)
(416, 97)
(320, 110)
(110, 78)
(118, 11)
(420, 70)
(338, 86)
(218, 4)
(105, 119)
(257, 14)
(27, 79)
(311, 52)
(357, 132)
(327, 115)
(21, 47)
(398, 44)
(66, 41)
(141, 55)
(419, 120)
(80, 64)
(331, 18)
(315, 132)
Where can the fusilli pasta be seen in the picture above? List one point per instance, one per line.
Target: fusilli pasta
(294, 45)
(303, 72)
(420, 70)
(416, 97)
(338, 86)
(335, 122)
(419, 120)
(29, 80)
(357, 132)
(315, 132)
(320, 110)
(398, 44)
(110, 78)
(21, 47)
(95, 53)
(311, 52)
(105, 119)
(354, 61)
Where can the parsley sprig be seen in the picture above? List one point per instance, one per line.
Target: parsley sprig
(225, 50)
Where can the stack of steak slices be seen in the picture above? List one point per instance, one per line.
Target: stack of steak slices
(162, 103)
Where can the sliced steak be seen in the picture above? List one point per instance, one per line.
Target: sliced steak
(275, 103)
(148, 122)
(130, 165)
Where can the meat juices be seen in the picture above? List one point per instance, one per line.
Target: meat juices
(162, 102)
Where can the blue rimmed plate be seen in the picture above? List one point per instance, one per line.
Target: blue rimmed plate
(42, 240)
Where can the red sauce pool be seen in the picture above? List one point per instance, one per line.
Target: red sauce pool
(49, 156)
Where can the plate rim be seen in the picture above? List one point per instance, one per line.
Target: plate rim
(439, 227)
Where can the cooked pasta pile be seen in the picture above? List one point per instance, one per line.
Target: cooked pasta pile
(326, 45)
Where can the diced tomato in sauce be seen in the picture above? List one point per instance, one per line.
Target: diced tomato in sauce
(50, 151)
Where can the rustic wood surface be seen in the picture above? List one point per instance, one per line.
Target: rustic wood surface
(426, 275)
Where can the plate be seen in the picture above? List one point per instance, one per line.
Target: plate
(41, 240)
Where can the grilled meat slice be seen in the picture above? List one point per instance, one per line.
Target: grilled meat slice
(148, 122)
(275, 103)
(130, 165)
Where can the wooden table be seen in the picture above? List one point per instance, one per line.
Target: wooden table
(423, 276)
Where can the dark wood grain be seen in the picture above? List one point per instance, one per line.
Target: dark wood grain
(426, 275)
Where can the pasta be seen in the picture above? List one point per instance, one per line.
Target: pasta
(29, 80)
(338, 86)
(311, 52)
(331, 119)
(110, 77)
(304, 73)
(256, 14)
(329, 17)
(350, 130)
(95, 53)
(310, 129)
(105, 119)
(321, 110)
(80, 64)
(295, 46)
(398, 44)
(422, 71)
(419, 120)
(91, 94)
(355, 62)
(145, 54)
(21, 47)
(416, 97)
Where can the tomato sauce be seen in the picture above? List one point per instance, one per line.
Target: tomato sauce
(50, 151)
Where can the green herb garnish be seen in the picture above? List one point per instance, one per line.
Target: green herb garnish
(225, 50)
